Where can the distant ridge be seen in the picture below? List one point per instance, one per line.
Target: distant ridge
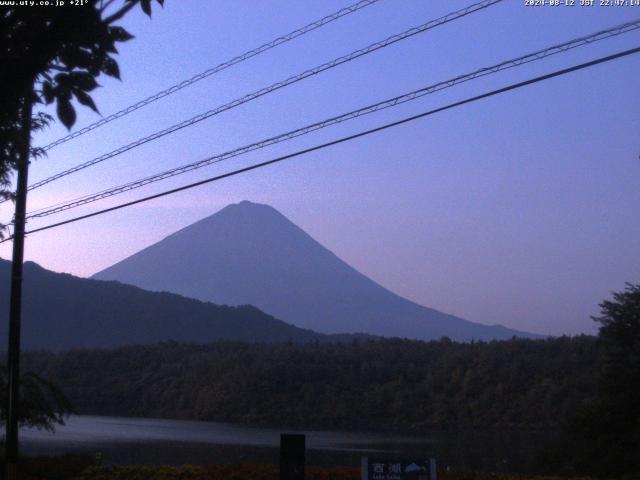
(250, 253)
(61, 311)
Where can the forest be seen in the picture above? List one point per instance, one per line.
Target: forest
(380, 384)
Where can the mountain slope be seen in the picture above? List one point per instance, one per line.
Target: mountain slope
(251, 254)
(61, 311)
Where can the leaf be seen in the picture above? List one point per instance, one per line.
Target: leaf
(86, 100)
(84, 80)
(110, 48)
(47, 92)
(37, 152)
(66, 112)
(40, 120)
(63, 80)
(146, 6)
(119, 34)
(110, 67)
(74, 57)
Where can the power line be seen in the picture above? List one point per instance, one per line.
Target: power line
(218, 68)
(524, 59)
(276, 86)
(513, 86)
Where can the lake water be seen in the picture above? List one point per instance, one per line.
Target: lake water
(153, 441)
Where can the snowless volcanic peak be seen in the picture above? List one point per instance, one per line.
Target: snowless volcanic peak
(249, 253)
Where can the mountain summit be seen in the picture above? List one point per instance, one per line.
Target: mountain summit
(249, 253)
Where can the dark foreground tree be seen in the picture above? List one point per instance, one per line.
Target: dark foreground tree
(43, 405)
(53, 55)
(617, 414)
(47, 55)
(605, 438)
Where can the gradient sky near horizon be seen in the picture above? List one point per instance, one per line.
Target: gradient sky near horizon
(520, 210)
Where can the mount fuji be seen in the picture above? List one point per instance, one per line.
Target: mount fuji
(250, 253)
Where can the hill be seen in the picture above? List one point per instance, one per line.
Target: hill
(249, 253)
(61, 311)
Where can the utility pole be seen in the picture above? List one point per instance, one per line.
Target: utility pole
(15, 305)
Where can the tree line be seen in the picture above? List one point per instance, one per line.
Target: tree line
(385, 384)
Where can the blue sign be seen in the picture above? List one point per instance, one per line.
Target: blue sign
(396, 469)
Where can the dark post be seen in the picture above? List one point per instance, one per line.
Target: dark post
(15, 306)
(292, 451)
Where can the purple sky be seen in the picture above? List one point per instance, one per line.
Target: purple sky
(521, 209)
